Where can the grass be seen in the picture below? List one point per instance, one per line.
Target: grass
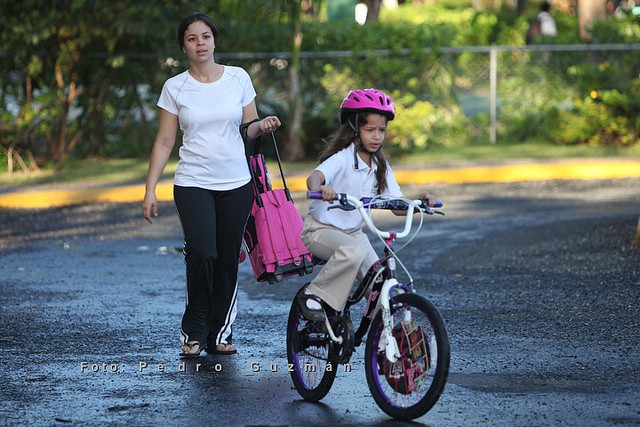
(135, 170)
(93, 169)
(516, 151)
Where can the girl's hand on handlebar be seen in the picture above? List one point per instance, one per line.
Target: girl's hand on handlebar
(427, 196)
(328, 194)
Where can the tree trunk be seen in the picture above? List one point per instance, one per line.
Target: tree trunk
(565, 6)
(89, 116)
(373, 9)
(589, 11)
(58, 141)
(293, 149)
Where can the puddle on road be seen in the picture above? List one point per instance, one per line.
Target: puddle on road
(161, 250)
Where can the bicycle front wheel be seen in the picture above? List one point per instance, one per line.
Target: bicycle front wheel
(409, 387)
(310, 354)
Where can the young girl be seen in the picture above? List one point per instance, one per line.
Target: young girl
(352, 163)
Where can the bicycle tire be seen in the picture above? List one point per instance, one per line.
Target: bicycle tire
(311, 356)
(408, 388)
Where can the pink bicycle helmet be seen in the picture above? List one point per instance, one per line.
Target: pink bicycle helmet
(367, 100)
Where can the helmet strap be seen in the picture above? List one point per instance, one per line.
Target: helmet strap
(357, 140)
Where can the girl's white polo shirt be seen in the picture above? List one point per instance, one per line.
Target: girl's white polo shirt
(340, 173)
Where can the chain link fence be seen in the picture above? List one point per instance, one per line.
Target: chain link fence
(496, 88)
(444, 96)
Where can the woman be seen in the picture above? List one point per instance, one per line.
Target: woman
(210, 102)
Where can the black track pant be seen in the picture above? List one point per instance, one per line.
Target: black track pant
(213, 223)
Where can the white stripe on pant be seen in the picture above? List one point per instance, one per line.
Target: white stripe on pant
(212, 223)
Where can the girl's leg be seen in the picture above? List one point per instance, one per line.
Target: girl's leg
(197, 213)
(232, 210)
(370, 255)
(344, 254)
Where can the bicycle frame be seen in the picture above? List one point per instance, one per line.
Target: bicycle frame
(406, 351)
(384, 269)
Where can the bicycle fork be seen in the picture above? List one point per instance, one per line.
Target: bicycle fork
(387, 341)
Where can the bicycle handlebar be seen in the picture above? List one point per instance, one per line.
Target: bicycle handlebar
(397, 204)
(348, 202)
(391, 204)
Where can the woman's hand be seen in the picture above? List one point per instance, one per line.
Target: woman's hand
(149, 206)
(269, 124)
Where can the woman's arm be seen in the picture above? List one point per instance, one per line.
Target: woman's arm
(257, 128)
(162, 147)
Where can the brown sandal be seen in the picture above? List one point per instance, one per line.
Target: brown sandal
(225, 349)
(188, 349)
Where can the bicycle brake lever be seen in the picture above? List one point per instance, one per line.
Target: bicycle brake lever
(432, 212)
(343, 207)
(344, 204)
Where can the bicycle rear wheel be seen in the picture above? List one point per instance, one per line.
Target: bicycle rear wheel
(408, 388)
(310, 354)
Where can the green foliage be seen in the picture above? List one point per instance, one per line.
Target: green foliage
(622, 28)
(597, 121)
(605, 117)
(85, 75)
(421, 125)
(75, 67)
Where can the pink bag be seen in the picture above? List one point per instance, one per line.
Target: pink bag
(272, 235)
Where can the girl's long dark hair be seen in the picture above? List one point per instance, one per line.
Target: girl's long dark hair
(344, 136)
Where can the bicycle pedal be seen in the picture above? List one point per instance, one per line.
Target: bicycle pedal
(343, 328)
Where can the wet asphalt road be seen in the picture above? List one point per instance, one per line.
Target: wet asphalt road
(539, 284)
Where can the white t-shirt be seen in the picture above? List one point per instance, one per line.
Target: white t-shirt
(547, 24)
(339, 172)
(212, 153)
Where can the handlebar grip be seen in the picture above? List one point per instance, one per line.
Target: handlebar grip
(436, 203)
(317, 195)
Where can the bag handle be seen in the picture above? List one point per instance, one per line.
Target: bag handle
(256, 150)
(244, 128)
(243, 133)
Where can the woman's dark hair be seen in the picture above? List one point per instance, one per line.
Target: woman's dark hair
(344, 136)
(195, 17)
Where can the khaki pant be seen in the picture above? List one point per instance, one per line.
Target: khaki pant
(349, 255)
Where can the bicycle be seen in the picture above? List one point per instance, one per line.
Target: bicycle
(407, 350)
